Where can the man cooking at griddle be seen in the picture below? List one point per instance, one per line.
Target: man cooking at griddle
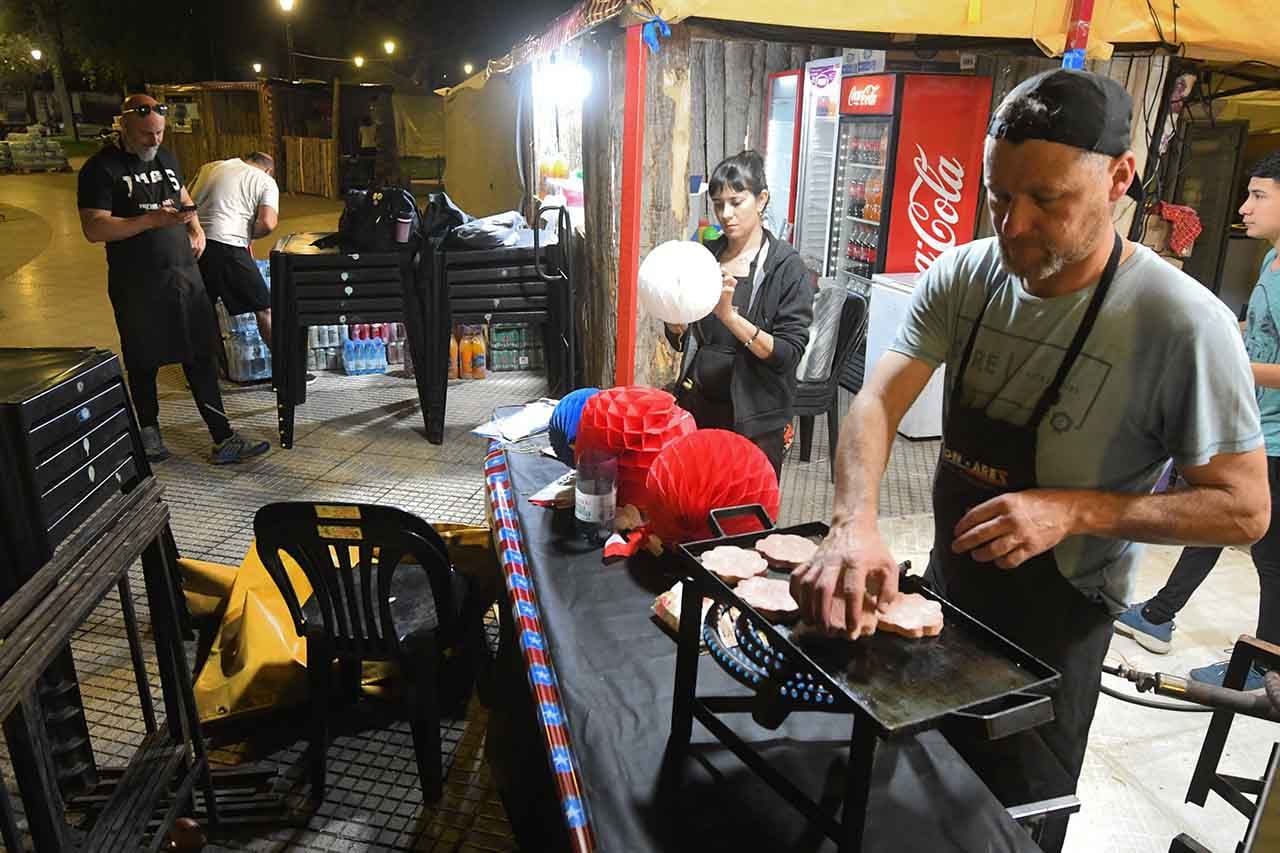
(1077, 364)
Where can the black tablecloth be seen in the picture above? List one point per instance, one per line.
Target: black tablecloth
(615, 668)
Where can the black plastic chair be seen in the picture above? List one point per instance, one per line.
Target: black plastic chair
(382, 590)
(816, 398)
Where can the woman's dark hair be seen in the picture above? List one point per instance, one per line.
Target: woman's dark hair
(743, 172)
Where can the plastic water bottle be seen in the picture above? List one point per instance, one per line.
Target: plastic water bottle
(349, 357)
(595, 497)
(259, 368)
(382, 357)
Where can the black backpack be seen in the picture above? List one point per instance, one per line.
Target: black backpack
(368, 221)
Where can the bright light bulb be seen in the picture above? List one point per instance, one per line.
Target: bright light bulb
(286, 5)
(257, 68)
(389, 46)
(468, 68)
(359, 61)
(565, 83)
(37, 54)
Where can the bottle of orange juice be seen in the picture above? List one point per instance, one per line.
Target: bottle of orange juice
(477, 352)
(453, 355)
(465, 348)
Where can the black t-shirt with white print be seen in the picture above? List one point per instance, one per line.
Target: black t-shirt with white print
(121, 182)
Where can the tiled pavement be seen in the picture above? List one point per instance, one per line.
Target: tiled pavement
(360, 439)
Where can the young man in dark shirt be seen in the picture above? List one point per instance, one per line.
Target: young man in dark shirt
(131, 198)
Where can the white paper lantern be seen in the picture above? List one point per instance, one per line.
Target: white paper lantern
(679, 282)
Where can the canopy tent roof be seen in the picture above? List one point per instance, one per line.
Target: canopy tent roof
(1211, 30)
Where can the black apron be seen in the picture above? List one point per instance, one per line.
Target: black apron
(1033, 604)
(162, 313)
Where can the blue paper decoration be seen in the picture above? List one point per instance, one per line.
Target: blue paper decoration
(564, 422)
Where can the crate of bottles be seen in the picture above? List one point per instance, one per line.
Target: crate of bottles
(527, 358)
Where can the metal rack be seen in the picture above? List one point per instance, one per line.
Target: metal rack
(969, 676)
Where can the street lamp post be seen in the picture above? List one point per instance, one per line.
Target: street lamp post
(358, 60)
(257, 68)
(286, 6)
(37, 54)
(389, 46)
(467, 68)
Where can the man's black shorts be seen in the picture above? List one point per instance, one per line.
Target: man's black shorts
(230, 273)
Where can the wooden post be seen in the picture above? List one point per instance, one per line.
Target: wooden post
(335, 124)
(665, 191)
(632, 183)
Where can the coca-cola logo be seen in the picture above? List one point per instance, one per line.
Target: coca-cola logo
(934, 224)
(865, 96)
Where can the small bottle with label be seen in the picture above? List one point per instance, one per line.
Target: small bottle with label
(477, 353)
(595, 495)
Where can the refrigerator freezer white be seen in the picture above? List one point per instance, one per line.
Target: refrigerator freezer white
(890, 299)
(819, 138)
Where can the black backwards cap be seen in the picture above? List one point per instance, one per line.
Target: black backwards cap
(1077, 108)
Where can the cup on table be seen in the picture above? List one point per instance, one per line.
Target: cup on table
(403, 222)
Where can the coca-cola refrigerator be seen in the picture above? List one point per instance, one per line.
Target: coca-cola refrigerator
(907, 172)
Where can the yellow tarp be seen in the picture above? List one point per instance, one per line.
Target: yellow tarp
(419, 125)
(257, 660)
(1260, 109)
(1211, 29)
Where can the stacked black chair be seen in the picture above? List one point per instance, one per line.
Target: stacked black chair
(519, 284)
(817, 398)
(321, 285)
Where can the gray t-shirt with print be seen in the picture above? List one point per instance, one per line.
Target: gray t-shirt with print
(1163, 374)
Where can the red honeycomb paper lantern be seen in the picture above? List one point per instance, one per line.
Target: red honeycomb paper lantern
(633, 423)
(709, 469)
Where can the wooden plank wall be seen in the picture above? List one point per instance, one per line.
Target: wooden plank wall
(730, 81)
(311, 165)
(664, 203)
(597, 289)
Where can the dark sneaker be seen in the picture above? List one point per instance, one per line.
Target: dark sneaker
(237, 448)
(153, 445)
(1214, 674)
(311, 377)
(1149, 635)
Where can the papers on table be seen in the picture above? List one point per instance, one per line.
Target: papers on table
(515, 423)
(558, 493)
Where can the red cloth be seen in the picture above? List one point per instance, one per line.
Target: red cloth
(1186, 225)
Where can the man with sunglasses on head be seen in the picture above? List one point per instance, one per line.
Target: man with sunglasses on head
(131, 197)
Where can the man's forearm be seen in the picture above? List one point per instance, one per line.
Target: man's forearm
(1196, 515)
(1266, 375)
(861, 458)
(110, 229)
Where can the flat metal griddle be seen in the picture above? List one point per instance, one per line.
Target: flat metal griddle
(904, 685)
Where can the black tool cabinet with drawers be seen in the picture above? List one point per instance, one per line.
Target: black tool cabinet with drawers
(68, 442)
(315, 286)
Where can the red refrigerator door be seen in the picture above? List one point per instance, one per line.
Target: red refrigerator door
(937, 171)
